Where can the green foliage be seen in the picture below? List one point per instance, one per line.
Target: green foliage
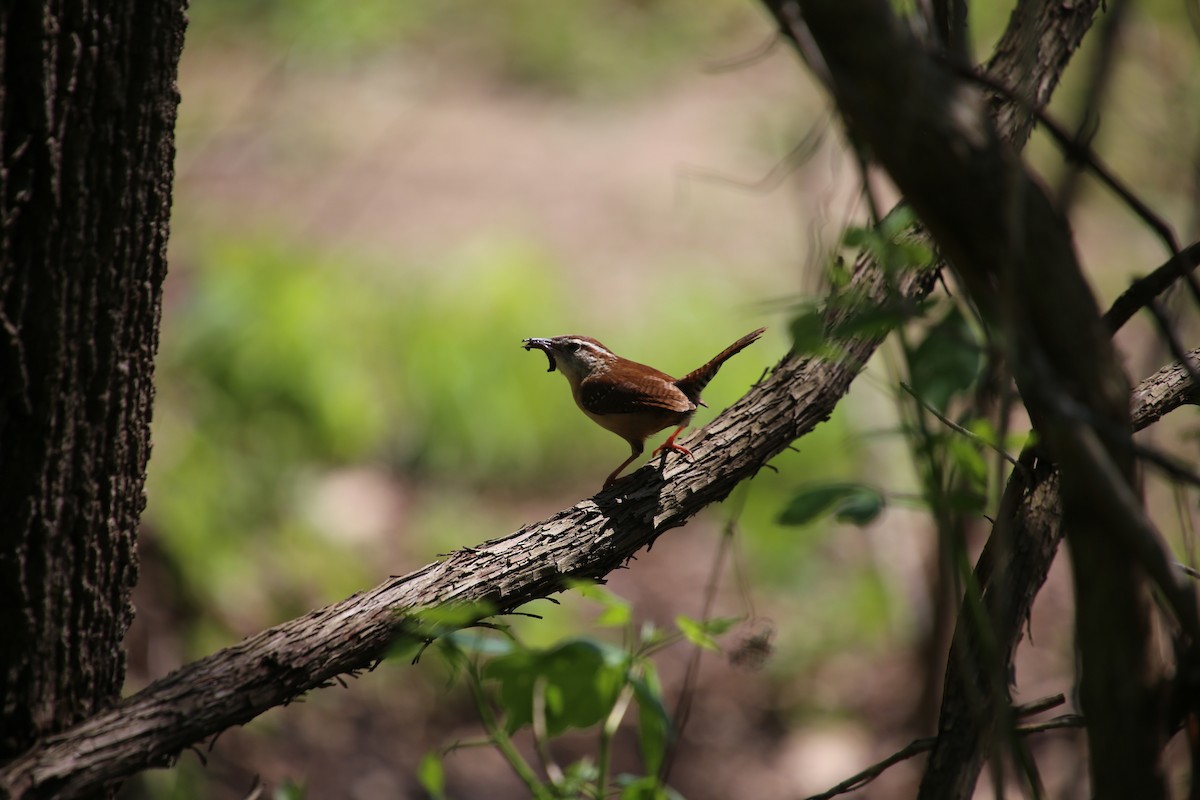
(634, 788)
(280, 366)
(654, 723)
(583, 46)
(431, 776)
(847, 502)
(947, 362)
(893, 243)
(449, 619)
(701, 632)
(578, 683)
(290, 790)
(845, 312)
(615, 611)
(808, 330)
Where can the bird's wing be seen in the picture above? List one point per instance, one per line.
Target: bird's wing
(606, 396)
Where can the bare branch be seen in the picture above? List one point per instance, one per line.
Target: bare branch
(1014, 253)
(1142, 291)
(918, 746)
(587, 540)
(954, 426)
(1163, 392)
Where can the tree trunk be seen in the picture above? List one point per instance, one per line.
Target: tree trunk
(1012, 250)
(87, 114)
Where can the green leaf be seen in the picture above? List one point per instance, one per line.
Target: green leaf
(480, 642)
(645, 788)
(855, 503)
(578, 778)
(915, 254)
(985, 430)
(614, 616)
(439, 620)
(897, 221)
(515, 675)
(289, 790)
(715, 626)
(860, 508)
(967, 500)
(808, 331)
(651, 634)
(431, 776)
(857, 237)
(695, 633)
(967, 458)
(581, 680)
(837, 273)
(869, 317)
(947, 361)
(654, 723)
(616, 610)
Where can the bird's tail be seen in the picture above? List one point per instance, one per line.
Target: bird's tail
(694, 382)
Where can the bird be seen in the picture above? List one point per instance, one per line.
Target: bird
(632, 400)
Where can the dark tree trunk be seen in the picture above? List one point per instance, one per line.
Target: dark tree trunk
(1012, 250)
(87, 115)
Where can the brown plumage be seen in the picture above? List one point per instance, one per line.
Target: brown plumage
(630, 399)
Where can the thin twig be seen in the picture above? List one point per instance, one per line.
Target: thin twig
(683, 708)
(541, 736)
(1089, 119)
(1145, 289)
(1191, 572)
(754, 55)
(954, 426)
(1039, 705)
(914, 748)
(918, 746)
(791, 161)
(1173, 469)
(501, 739)
(1173, 343)
(1078, 151)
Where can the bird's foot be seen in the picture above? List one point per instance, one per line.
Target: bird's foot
(669, 445)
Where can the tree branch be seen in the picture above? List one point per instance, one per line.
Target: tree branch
(1144, 290)
(587, 540)
(918, 746)
(1163, 392)
(1014, 254)
(1025, 539)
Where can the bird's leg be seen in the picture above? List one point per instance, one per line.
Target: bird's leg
(669, 444)
(637, 448)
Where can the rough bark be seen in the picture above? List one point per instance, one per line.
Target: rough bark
(593, 537)
(236, 684)
(1030, 57)
(1010, 573)
(1163, 392)
(87, 114)
(587, 540)
(1013, 252)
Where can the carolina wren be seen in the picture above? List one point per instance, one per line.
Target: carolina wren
(630, 399)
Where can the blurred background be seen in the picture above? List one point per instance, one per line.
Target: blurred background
(375, 202)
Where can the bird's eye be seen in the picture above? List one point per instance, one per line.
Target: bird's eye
(572, 346)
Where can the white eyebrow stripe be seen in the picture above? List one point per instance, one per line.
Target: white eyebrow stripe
(595, 348)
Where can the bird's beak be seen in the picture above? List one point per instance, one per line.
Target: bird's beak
(545, 346)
